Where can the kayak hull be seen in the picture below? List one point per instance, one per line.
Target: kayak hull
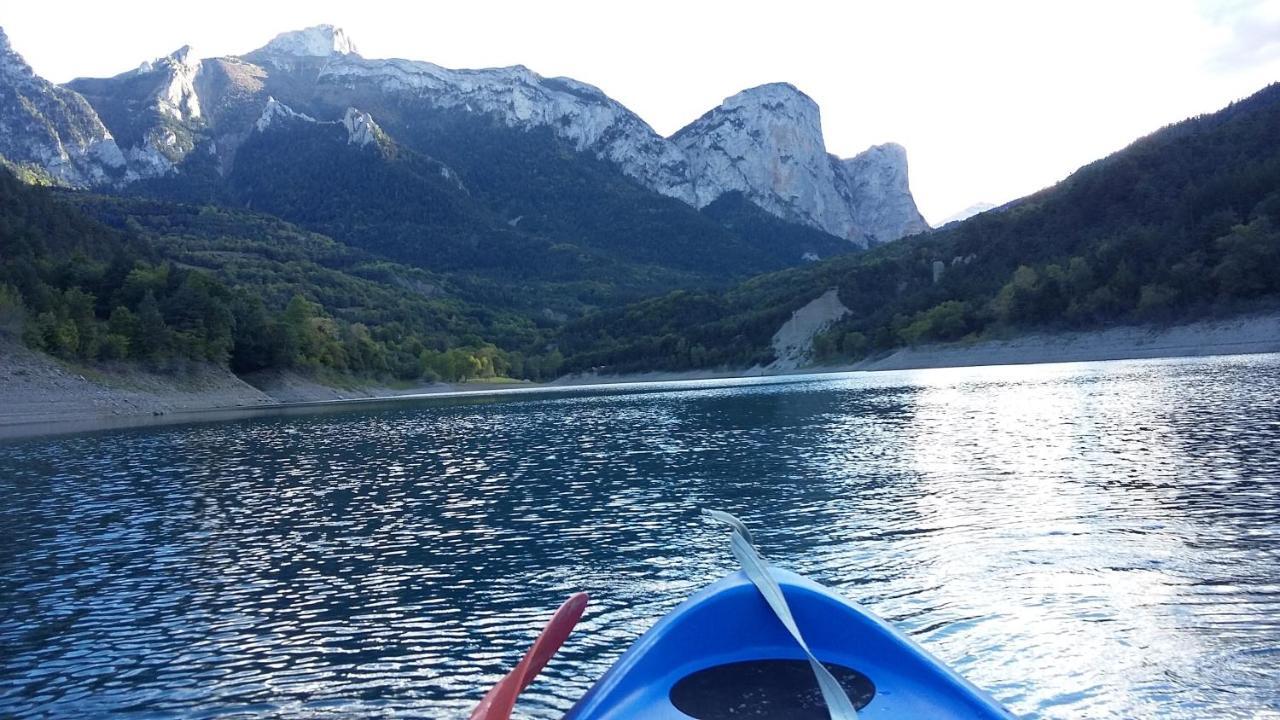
(729, 623)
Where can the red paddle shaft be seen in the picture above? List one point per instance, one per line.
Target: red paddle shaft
(499, 701)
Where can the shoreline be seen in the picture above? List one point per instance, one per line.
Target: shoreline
(1248, 335)
(42, 396)
(1245, 335)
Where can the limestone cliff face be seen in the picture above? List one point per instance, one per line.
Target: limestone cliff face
(767, 142)
(875, 188)
(52, 131)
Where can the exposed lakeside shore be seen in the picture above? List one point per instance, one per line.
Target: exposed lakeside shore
(40, 395)
(1239, 336)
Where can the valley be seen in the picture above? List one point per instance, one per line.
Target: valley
(302, 211)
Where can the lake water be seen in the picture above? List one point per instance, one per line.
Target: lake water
(1094, 540)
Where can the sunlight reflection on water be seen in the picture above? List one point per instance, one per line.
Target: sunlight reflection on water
(1084, 541)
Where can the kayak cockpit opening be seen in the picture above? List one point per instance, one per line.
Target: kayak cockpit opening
(774, 689)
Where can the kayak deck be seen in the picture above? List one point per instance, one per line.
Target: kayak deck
(723, 654)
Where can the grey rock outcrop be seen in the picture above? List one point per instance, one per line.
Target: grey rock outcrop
(579, 113)
(793, 342)
(875, 188)
(155, 111)
(50, 130)
(767, 142)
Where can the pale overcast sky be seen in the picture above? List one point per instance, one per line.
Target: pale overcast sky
(993, 100)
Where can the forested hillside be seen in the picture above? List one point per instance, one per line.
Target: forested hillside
(96, 278)
(515, 215)
(1183, 224)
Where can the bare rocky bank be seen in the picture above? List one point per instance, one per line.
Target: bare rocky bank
(39, 392)
(35, 388)
(1237, 336)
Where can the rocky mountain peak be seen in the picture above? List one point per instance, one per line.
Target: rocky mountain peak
(182, 56)
(50, 130)
(890, 153)
(315, 41)
(361, 129)
(767, 143)
(11, 63)
(177, 97)
(753, 109)
(276, 110)
(774, 97)
(874, 184)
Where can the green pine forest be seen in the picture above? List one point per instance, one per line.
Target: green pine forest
(93, 278)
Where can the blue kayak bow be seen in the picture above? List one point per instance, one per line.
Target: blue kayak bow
(839, 706)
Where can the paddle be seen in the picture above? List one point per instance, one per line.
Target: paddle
(499, 701)
(839, 706)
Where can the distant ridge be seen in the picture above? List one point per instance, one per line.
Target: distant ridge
(147, 122)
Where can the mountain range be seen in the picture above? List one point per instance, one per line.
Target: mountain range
(303, 207)
(181, 115)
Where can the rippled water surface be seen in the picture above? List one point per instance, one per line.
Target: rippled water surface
(1084, 541)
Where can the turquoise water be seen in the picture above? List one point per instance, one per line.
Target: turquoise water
(1085, 541)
